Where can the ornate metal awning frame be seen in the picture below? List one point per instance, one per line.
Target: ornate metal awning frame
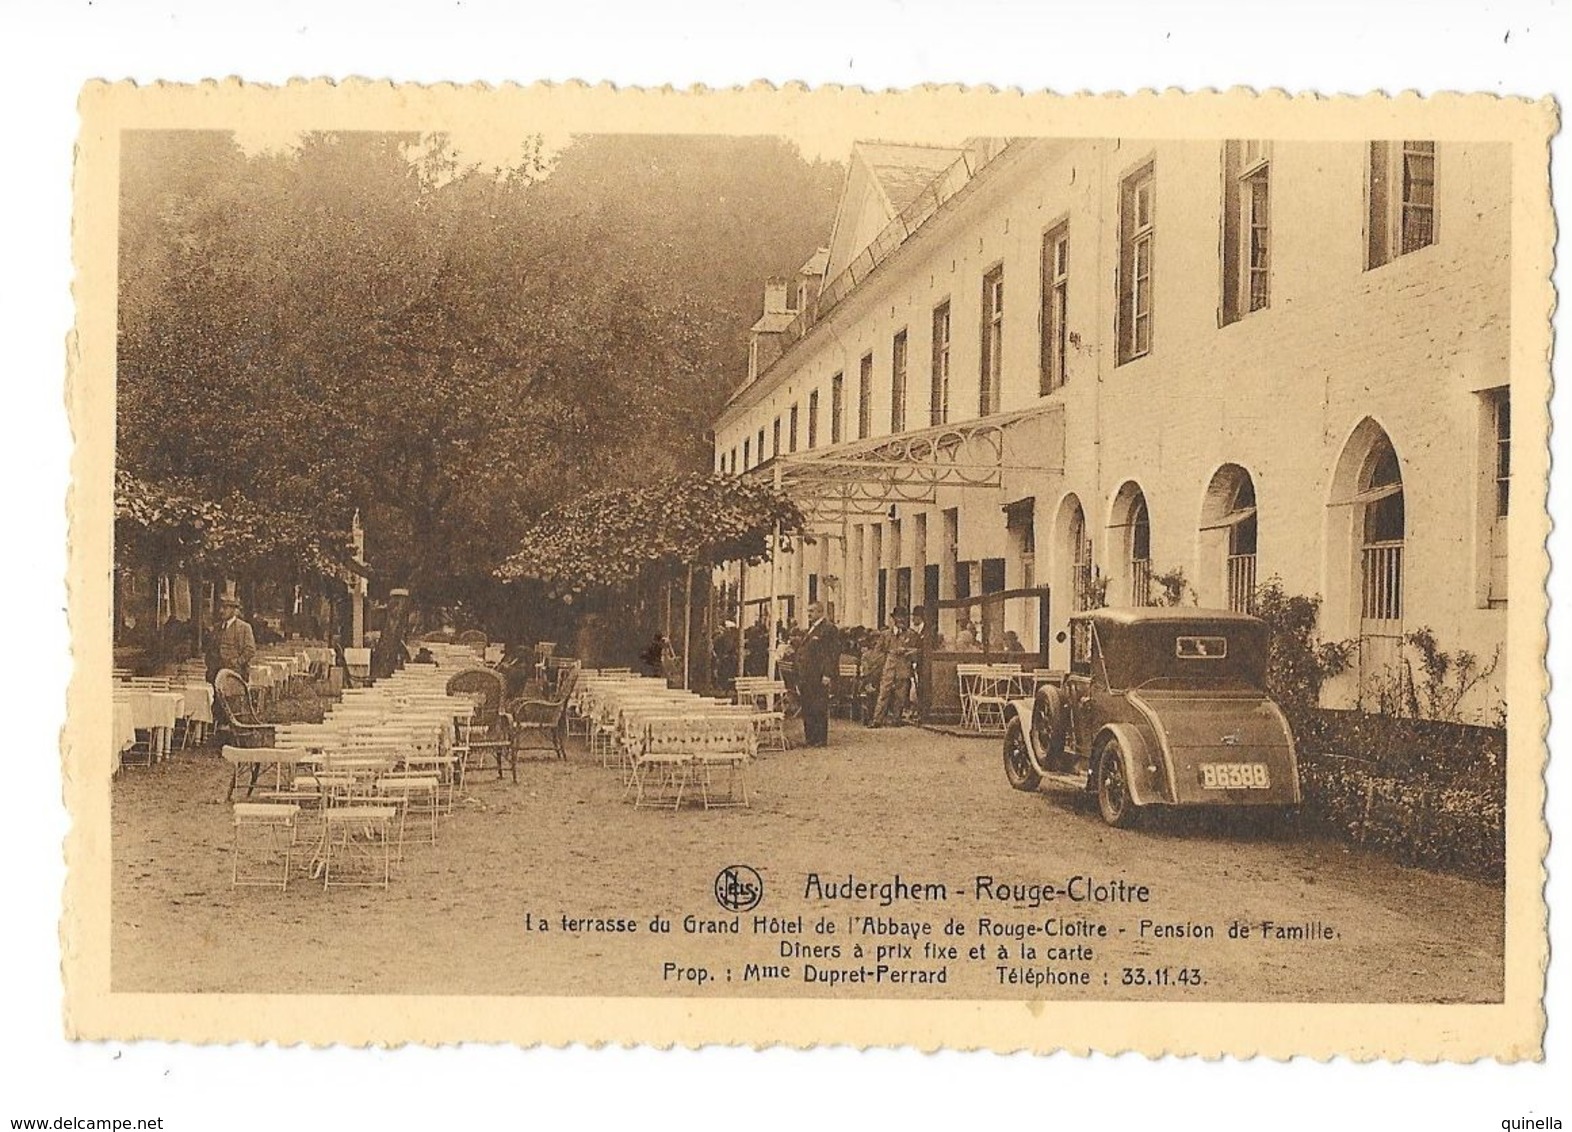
(863, 478)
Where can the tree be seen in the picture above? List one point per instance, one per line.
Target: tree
(362, 321)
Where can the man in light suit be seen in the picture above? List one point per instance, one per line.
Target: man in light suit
(232, 644)
(818, 660)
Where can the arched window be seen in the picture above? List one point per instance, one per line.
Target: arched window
(1131, 526)
(1381, 550)
(1228, 539)
(1140, 554)
(1073, 573)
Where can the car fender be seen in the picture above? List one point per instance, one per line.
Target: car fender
(1144, 768)
(1022, 710)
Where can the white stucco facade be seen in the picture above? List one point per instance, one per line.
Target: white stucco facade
(1259, 441)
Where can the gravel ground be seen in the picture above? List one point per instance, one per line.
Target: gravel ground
(463, 916)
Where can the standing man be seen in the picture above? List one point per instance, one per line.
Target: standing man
(895, 681)
(233, 644)
(818, 660)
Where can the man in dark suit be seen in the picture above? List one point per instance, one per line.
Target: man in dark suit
(232, 644)
(818, 660)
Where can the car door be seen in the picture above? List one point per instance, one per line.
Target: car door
(1078, 685)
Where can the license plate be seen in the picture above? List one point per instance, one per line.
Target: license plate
(1235, 776)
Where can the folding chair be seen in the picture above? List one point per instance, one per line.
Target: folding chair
(664, 760)
(727, 743)
(258, 829)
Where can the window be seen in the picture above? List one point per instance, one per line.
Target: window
(813, 419)
(733, 460)
(992, 342)
(865, 398)
(745, 455)
(837, 408)
(1137, 200)
(762, 455)
(1382, 551)
(1056, 299)
(1140, 553)
(1502, 414)
(939, 393)
(898, 383)
(791, 431)
(1499, 445)
(1242, 548)
(775, 438)
(1247, 190)
(1402, 182)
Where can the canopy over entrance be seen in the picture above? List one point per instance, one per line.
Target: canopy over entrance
(863, 478)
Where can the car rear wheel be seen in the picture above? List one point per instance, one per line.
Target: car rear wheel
(1113, 789)
(1018, 766)
(1051, 724)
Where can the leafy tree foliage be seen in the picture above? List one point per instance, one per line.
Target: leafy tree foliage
(361, 320)
(612, 536)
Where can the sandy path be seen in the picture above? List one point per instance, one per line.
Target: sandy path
(930, 808)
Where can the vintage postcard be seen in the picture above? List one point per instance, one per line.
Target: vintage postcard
(947, 568)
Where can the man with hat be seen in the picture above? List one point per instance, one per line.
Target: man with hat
(818, 658)
(232, 644)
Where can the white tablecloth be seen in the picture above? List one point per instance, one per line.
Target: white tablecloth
(197, 702)
(122, 729)
(151, 708)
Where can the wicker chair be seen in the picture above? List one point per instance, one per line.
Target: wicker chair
(540, 723)
(475, 639)
(236, 715)
(490, 729)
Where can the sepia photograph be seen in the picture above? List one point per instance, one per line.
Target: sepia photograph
(712, 565)
(738, 565)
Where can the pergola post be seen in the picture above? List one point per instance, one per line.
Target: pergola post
(775, 550)
(687, 627)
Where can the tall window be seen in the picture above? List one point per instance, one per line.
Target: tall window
(813, 419)
(1081, 577)
(939, 393)
(1242, 538)
(865, 398)
(734, 460)
(1140, 553)
(763, 456)
(1056, 306)
(837, 408)
(791, 431)
(1137, 200)
(1499, 404)
(1247, 230)
(1382, 550)
(746, 455)
(775, 437)
(992, 342)
(1402, 183)
(898, 383)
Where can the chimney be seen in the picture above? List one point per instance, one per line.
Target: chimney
(775, 297)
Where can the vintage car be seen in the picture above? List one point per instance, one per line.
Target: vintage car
(1160, 707)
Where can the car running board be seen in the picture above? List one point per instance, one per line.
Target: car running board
(1067, 779)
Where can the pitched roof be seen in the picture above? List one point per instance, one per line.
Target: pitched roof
(904, 171)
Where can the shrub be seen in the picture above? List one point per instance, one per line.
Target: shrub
(1299, 662)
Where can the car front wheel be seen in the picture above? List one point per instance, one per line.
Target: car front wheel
(1018, 766)
(1113, 789)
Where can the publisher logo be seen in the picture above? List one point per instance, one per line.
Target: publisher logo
(738, 888)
